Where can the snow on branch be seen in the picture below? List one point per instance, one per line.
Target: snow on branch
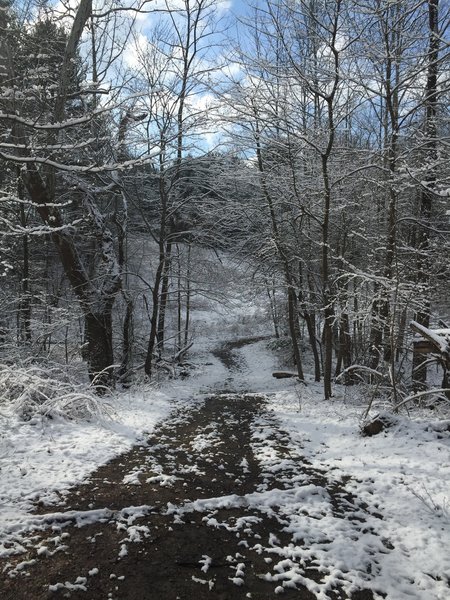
(67, 123)
(422, 394)
(36, 391)
(52, 126)
(79, 168)
(14, 230)
(440, 339)
(49, 147)
(353, 368)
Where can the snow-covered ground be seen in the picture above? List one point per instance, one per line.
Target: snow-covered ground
(41, 458)
(402, 474)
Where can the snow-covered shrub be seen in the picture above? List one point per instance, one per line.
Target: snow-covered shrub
(437, 506)
(48, 392)
(279, 343)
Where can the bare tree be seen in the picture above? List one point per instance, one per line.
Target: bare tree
(430, 147)
(173, 67)
(46, 166)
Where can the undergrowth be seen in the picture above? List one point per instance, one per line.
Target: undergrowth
(38, 391)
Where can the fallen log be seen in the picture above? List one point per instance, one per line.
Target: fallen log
(283, 374)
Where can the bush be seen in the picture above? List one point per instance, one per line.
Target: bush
(37, 391)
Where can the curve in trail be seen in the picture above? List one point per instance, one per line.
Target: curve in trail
(197, 512)
(226, 352)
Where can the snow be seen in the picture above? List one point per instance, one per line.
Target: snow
(404, 474)
(205, 562)
(40, 459)
(439, 337)
(400, 525)
(394, 539)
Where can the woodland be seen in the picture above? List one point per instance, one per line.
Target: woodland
(308, 140)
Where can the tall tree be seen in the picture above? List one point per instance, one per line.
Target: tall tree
(62, 155)
(427, 191)
(174, 68)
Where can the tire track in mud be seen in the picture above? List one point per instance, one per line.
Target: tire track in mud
(182, 519)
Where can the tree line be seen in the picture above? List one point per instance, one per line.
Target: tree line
(310, 138)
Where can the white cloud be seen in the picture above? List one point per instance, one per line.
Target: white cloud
(134, 49)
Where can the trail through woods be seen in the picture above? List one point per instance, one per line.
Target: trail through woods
(220, 502)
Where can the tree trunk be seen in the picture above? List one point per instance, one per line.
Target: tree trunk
(127, 324)
(310, 319)
(188, 297)
(293, 329)
(328, 352)
(127, 338)
(179, 301)
(153, 321)
(376, 332)
(282, 253)
(164, 199)
(328, 309)
(325, 157)
(164, 297)
(419, 368)
(273, 307)
(25, 300)
(401, 334)
(345, 349)
(40, 185)
(98, 334)
(97, 323)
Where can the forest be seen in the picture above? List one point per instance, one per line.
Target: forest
(307, 140)
(224, 299)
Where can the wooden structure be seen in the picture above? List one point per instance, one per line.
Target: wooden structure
(437, 343)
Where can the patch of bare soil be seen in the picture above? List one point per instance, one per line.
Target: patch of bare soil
(227, 355)
(156, 551)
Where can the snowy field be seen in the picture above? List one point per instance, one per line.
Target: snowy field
(402, 474)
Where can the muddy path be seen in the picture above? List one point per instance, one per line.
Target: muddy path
(181, 517)
(226, 352)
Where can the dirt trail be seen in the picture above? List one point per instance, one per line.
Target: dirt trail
(178, 524)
